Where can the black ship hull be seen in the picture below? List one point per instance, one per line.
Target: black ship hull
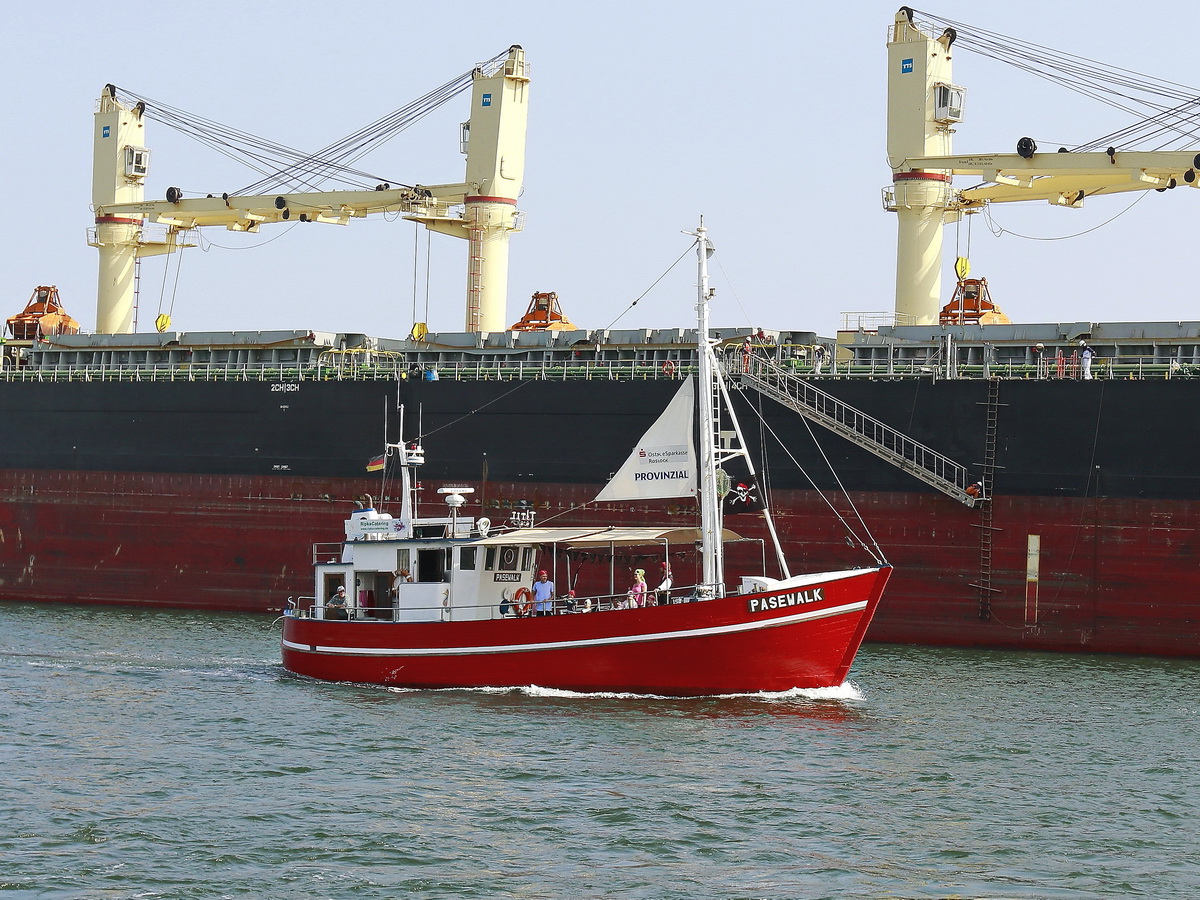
(197, 494)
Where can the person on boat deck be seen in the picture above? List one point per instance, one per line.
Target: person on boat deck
(662, 593)
(638, 590)
(543, 594)
(336, 607)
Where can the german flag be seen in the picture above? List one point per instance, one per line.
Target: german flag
(377, 464)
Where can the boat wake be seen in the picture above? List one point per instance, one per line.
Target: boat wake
(846, 691)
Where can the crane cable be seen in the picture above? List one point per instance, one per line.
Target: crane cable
(284, 166)
(1171, 105)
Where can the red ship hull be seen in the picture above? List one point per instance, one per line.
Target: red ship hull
(1117, 575)
(735, 644)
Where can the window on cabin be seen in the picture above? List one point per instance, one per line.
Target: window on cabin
(466, 559)
(508, 559)
(431, 565)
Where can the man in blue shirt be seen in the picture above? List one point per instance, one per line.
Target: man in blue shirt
(543, 595)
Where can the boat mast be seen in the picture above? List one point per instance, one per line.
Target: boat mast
(712, 546)
(711, 550)
(410, 458)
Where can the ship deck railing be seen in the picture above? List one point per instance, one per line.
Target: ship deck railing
(1103, 368)
(308, 607)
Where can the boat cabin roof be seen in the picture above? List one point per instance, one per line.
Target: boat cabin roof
(596, 537)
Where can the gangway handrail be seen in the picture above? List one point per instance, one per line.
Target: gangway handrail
(801, 395)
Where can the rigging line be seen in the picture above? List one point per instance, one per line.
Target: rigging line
(428, 257)
(997, 229)
(211, 243)
(269, 157)
(375, 134)
(220, 137)
(1088, 78)
(564, 512)
(162, 290)
(764, 471)
(416, 259)
(1086, 490)
(197, 126)
(969, 34)
(877, 554)
(175, 286)
(649, 289)
(477, 409)
(733, 290)
(1180, 110)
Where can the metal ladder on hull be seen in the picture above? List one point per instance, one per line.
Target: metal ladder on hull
(800, 395)
(986, 528)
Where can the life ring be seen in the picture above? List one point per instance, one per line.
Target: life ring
(669, 368)
(522, 601)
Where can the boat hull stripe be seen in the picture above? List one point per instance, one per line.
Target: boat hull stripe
(592, 642)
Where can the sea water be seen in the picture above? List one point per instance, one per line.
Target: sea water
(168, 755)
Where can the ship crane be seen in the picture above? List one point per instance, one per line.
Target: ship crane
(923, 105)
(493, 141)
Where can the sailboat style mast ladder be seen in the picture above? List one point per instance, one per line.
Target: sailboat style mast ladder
(802, 396)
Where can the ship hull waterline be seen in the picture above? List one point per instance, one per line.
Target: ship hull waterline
(774, 641)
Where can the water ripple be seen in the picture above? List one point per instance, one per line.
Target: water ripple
(169, 755)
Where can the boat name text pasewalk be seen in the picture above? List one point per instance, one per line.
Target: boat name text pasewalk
(779, 601)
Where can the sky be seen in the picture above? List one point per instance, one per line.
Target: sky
(766, 118)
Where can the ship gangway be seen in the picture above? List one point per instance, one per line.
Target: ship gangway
(799, 394)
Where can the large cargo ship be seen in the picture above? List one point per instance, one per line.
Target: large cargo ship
(1069, 522)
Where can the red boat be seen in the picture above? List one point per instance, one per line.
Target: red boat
(803, 635)
(442, 602)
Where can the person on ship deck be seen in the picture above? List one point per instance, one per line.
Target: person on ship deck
(336, 607)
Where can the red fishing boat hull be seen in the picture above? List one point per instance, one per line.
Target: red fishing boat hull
(774, 641)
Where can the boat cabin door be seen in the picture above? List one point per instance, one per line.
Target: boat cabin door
(330, 580)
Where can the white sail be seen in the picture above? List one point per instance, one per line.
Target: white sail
(663, 464)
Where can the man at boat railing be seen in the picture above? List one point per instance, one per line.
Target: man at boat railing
(543, 594)
(336, 607)
(662, 593)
